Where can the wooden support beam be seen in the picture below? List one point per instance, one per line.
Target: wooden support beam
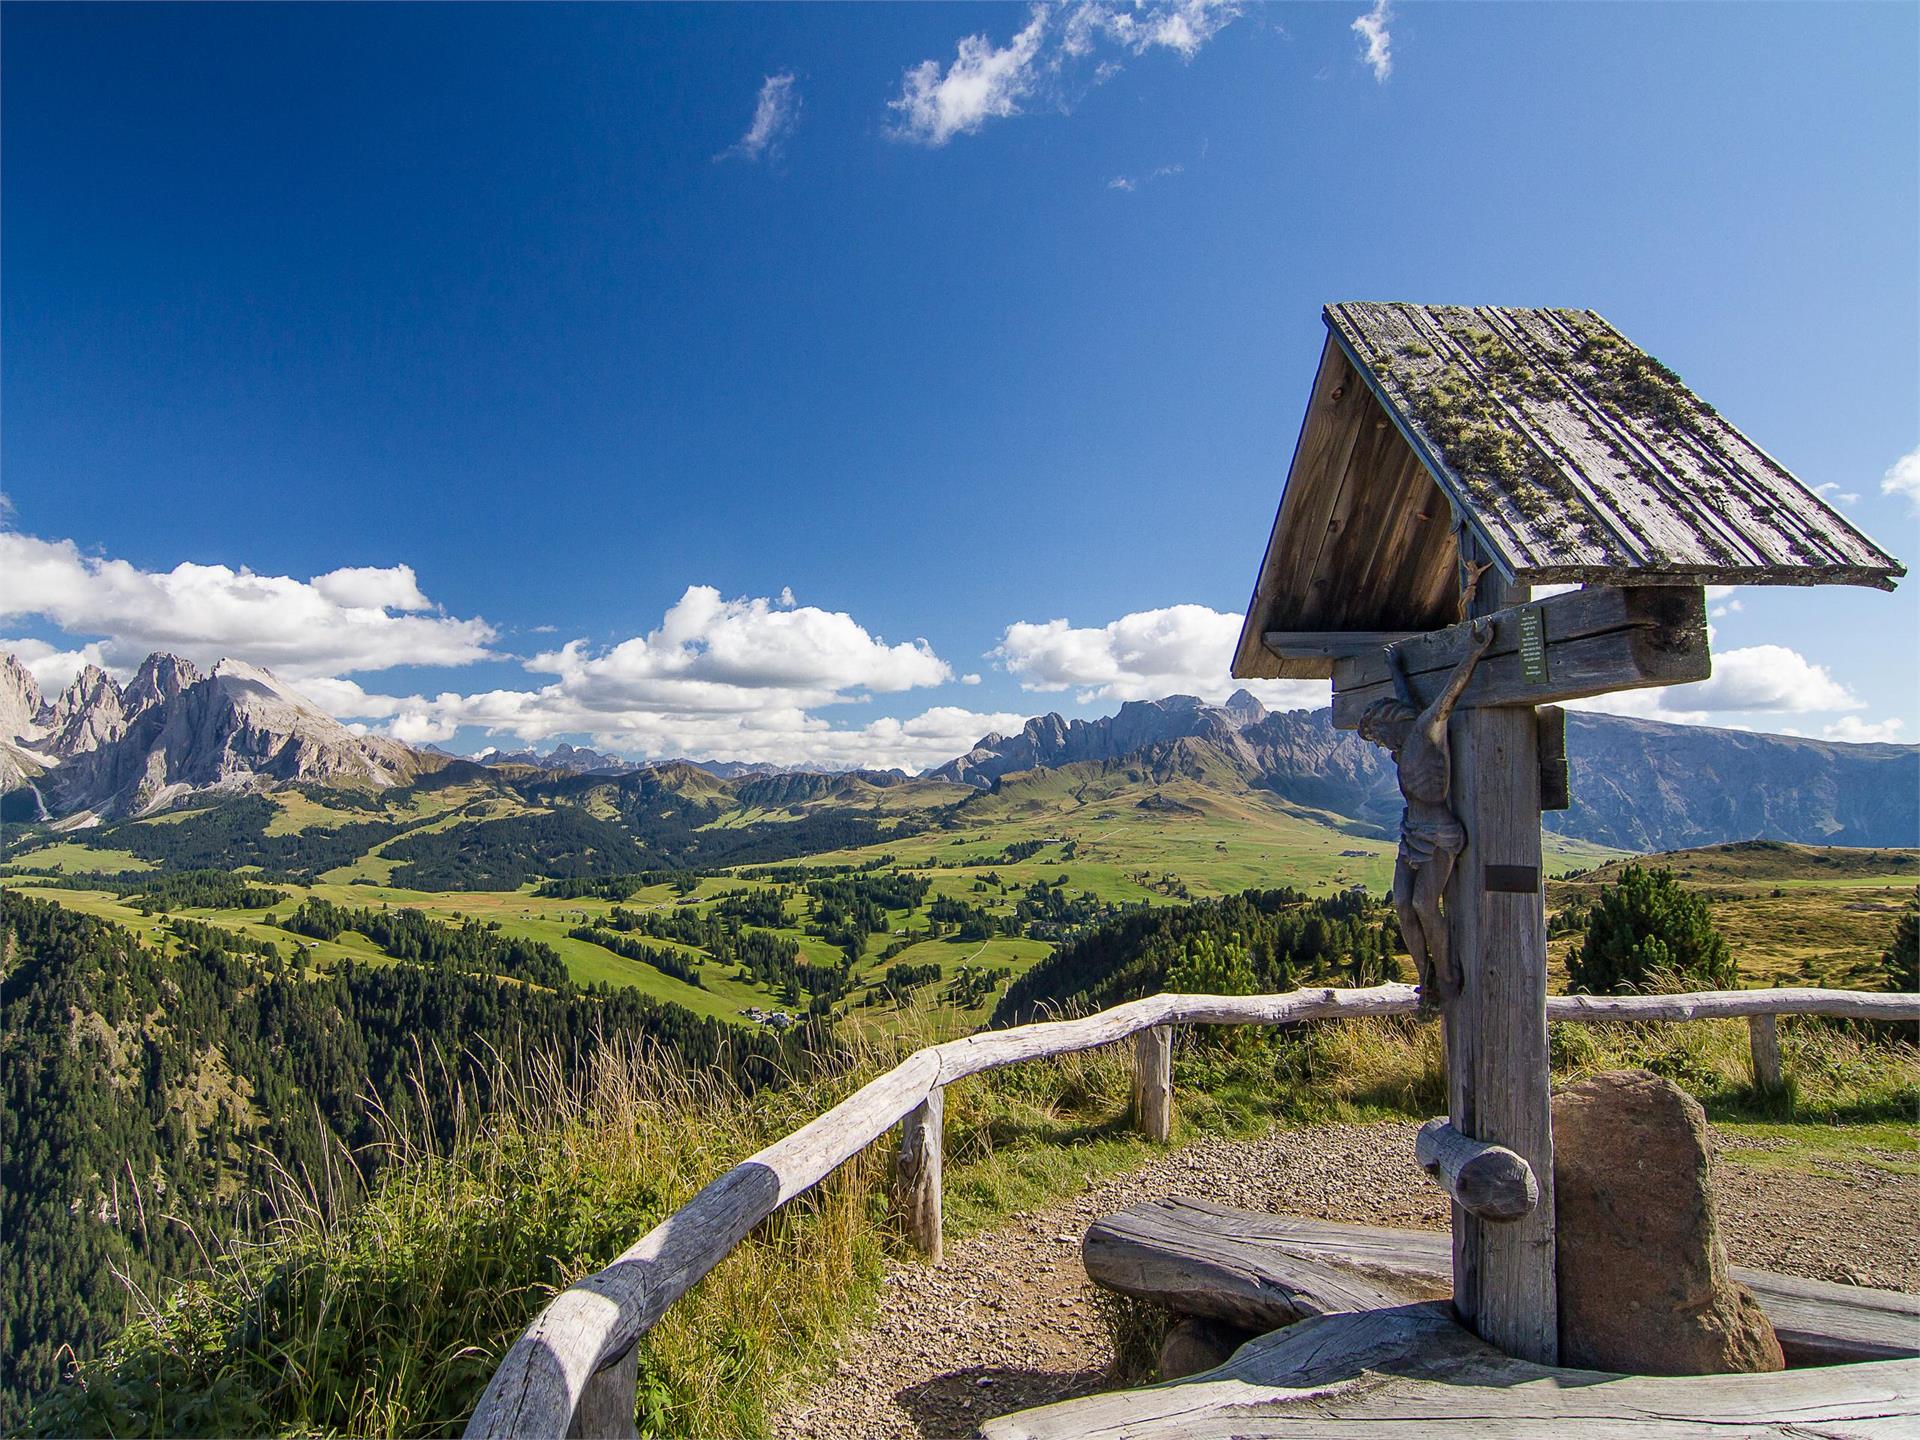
(1318, 649)
(1486, 1180)
(1496, 1031)
(919, 1173)
(1591, 642)
(1556, 780)
(1763, 1043)
(1153, 1082)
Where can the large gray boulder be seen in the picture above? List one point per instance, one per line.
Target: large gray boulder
(1644, 1287)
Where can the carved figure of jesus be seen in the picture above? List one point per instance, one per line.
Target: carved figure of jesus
(1431, 836)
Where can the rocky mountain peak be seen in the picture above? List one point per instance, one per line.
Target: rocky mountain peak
(90, 713)
(1245, 708)
(160, 678)
(20, 702)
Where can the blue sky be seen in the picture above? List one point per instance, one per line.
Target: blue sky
(836, 383)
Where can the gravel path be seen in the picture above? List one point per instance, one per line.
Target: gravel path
(1011, 1321)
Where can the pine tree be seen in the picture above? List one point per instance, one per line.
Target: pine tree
(1649, 929)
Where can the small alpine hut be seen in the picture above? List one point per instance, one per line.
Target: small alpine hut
(1451, 459)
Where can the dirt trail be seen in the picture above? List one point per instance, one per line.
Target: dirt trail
(1011, 1321)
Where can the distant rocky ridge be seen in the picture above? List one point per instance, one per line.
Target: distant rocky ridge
(98, 752)
(1637, 784)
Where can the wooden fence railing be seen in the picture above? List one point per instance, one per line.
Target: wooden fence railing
(573, 1371)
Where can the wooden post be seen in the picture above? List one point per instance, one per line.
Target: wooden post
(608, 1401)
(1763, 1042)
(919, 1173)
(1497, 1056)
(1153, 1082)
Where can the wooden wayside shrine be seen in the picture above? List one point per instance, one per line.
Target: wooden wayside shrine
(1450, 460)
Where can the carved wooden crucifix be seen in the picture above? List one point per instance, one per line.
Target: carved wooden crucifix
(1458, 707)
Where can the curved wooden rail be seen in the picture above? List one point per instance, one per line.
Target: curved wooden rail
(572, 1371)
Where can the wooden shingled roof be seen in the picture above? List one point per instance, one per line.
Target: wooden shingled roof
(1568, 453)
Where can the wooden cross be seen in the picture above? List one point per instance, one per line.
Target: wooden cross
(1508, 763)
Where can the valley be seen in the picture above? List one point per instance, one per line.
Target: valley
(243, 943)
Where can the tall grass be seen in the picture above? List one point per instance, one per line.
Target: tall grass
(386, 1316)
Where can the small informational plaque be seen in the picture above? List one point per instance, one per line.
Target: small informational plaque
(1533, 644)
(1512, 879)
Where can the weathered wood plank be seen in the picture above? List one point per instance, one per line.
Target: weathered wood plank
(917, 1174)
(1489, 1181)
(1556, 778)
(1157, 1252)
(1263, 1271)
(1153, 1082)
(1412, 1371)
(1498, 1063)
(1329, 645)
(1329, 430)
(1598, 640)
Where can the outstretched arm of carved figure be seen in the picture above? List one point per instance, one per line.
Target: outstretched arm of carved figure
(1480, 636)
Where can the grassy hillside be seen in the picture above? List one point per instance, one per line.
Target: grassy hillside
(1792, 914)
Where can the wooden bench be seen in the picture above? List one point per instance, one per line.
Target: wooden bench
(1265, 1271)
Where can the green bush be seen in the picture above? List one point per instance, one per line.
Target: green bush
(1649, 932)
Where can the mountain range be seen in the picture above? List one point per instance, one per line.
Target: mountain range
(99, 751)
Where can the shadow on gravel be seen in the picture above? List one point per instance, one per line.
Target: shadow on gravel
(951, 1406)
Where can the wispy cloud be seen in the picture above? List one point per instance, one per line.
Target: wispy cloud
(1903, 478)
(775, 115)
(1134, 182)
(1831, 491)
(1376, 40)
(986, 81)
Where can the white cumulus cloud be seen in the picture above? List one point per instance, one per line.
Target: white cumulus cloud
(717, 679)
(1903, 478)
(346, 620)
(775, 114)
(1181, 649)
(1376, 41)
(1765, 679)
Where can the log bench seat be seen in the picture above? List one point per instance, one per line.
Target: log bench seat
(1261, 1272)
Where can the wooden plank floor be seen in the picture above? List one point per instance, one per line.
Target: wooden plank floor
(1411, 1371)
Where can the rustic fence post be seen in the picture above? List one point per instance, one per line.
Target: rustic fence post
(608, 1401)
(1153, 1082)
(919, 1173)
(1763, 1042)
